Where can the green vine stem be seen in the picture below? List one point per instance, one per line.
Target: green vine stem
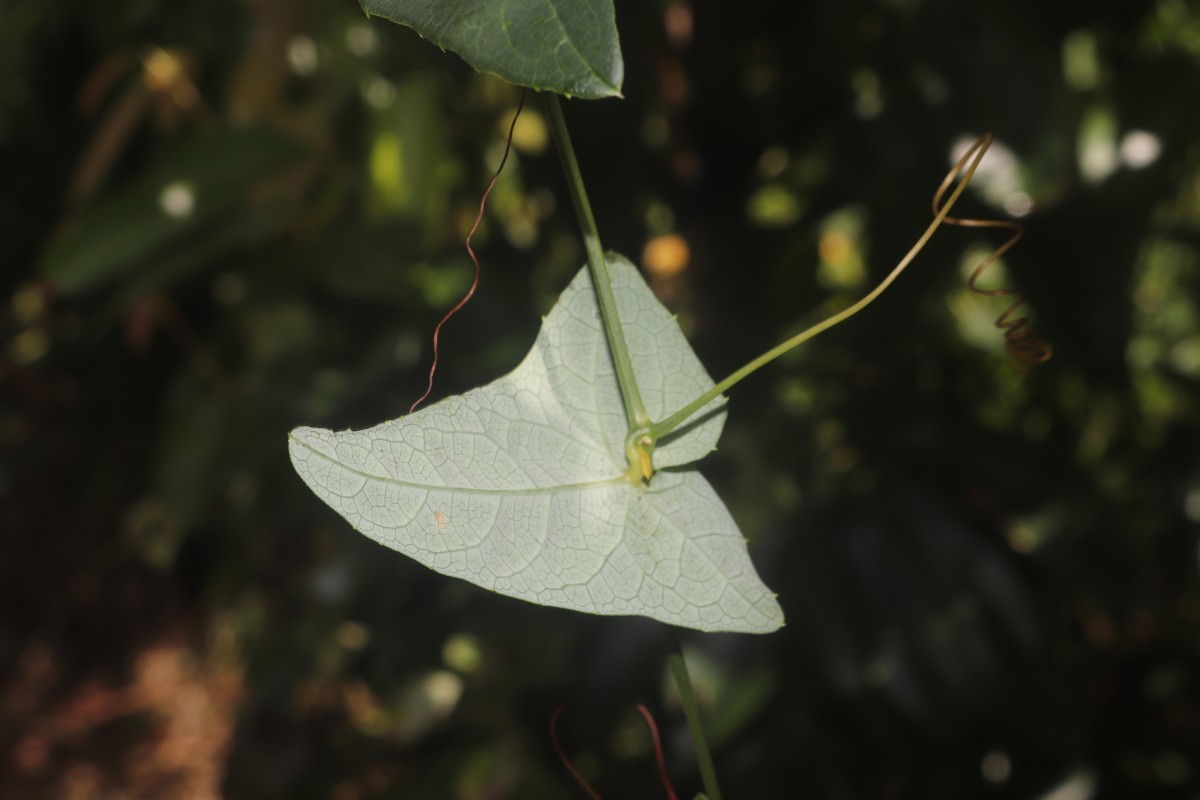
(635, 410)
(974, 155)
(691, 710)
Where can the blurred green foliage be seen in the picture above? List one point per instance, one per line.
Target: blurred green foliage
(224, 219)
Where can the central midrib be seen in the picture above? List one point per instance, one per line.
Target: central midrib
(568, 487)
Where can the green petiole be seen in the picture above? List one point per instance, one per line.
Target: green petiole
(635, 410)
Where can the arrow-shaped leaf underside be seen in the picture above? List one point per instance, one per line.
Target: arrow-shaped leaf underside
(519, 486)
(564, 46)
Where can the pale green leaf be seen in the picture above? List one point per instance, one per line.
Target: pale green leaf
(564, 46)
(520, 487)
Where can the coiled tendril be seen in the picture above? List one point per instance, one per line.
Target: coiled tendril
(1024, 346)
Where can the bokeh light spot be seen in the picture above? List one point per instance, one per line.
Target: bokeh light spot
(1081, 60)
(177, 200)
(379, 93)
(666, 256)
(530, 134)
(28, 303)
(1018, 204)
(361, 39)
(30, 346)
(996, 767)
(1097, 145)
(1140, 149)
(463, 653)
(774, 207)
(868, 98)
(302, 56)
(351, 635)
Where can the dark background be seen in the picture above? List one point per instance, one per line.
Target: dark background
(222, 219)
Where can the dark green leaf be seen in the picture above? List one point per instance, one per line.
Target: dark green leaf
(201, 185)
(564, 46)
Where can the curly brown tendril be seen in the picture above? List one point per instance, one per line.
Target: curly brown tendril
(1024, 346)
(471, 252)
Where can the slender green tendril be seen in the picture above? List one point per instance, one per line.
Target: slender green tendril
(969, 162)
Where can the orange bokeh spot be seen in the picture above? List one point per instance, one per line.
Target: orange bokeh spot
(666, 256)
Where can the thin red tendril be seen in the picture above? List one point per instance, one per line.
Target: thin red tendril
(658, 754)
(471, 252)
(1024, 346)
(563, 756)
